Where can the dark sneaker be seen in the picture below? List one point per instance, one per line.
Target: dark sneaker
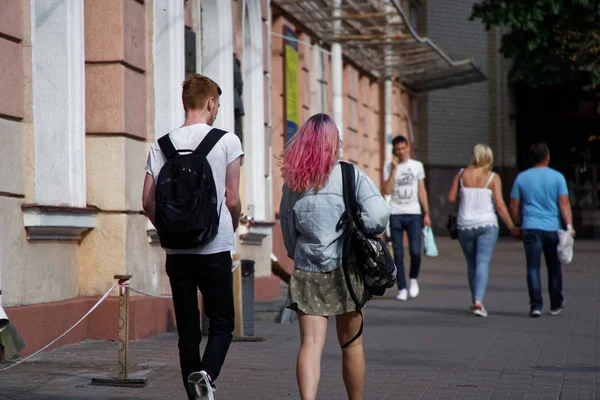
(200, 386)
(535, 313)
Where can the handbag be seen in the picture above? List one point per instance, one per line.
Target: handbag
(373, 259)
(452, 224)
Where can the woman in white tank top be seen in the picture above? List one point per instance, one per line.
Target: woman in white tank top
(479, 194)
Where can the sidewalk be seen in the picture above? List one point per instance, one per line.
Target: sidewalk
(427, 348)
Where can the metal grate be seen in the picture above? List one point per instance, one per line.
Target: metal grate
(377, 36)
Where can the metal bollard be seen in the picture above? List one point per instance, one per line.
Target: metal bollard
(123, 341)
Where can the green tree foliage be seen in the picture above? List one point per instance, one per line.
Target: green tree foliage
(550, 41)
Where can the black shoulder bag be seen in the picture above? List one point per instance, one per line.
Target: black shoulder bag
(372, 257)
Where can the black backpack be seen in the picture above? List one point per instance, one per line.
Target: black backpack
(373, 259)
(187, 213)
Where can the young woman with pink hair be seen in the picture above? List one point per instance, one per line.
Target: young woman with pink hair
(311, 207)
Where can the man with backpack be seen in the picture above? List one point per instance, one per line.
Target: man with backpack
(191, 196)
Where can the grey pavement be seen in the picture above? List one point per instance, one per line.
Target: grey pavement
(429, 348)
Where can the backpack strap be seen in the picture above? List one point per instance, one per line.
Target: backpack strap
(349, 184)
(351, 205)
(166, 146)
(209, 141)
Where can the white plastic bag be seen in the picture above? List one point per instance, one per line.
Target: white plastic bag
(431, 249)
(565, 245)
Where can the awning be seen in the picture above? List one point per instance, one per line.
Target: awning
(377, 36)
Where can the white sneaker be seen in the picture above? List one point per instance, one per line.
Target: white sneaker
(402, 295)
(200, 386)
(479, 310)
(413, 288)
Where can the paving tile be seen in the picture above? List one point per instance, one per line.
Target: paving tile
(426, 348)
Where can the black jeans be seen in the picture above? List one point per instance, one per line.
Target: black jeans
(212, 275)
(537, 242)
(412, 224)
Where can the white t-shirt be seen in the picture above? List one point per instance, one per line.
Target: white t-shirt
(227, 150)
(405, 196)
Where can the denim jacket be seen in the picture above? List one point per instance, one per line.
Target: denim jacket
(309, 220)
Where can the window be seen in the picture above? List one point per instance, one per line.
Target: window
(190, 52)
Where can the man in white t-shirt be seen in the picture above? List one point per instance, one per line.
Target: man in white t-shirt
(404, 180)
(207, 267)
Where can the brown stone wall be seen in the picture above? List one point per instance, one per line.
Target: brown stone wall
(115, 51)
(12, 101)
(38, 324)
(11, 60)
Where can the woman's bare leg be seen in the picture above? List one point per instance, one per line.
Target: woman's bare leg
(353, 356)
(313, 331)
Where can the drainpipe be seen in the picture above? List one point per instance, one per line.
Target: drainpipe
(388, 119)
(388, 98)
(337, 72)
(269, 208)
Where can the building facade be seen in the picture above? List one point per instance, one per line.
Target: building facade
(453, 120)
(87, 86)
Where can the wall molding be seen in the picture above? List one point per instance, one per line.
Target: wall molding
(57, 223)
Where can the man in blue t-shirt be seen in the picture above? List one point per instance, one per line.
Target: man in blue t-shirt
(541, 196)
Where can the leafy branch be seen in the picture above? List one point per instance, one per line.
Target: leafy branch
(549, 41)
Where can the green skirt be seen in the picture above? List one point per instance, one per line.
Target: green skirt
(324, 293)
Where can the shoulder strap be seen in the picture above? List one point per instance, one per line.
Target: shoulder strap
(460, 181)
(167, 146)
(209, 141)
(346, 269)
(348, 179)
(490, 180)
(349, 189)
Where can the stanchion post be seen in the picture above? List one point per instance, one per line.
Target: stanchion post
(123, 341)
(238, 305)
(123, 325)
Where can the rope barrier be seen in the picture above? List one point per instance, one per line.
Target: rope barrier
(150, 295)
(68, 330)
(236, 265)
(122, 283)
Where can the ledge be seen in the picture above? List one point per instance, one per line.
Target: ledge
(57, 223)
(252, 232)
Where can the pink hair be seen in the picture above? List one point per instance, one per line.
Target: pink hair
(311, 154)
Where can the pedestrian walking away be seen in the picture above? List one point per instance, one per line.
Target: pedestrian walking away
(312, 206)
(191, 195)
(478, 192)
(541, 198)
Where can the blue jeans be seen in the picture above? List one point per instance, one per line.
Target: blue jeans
(537, 242)
(478, 246)
(412, 224)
